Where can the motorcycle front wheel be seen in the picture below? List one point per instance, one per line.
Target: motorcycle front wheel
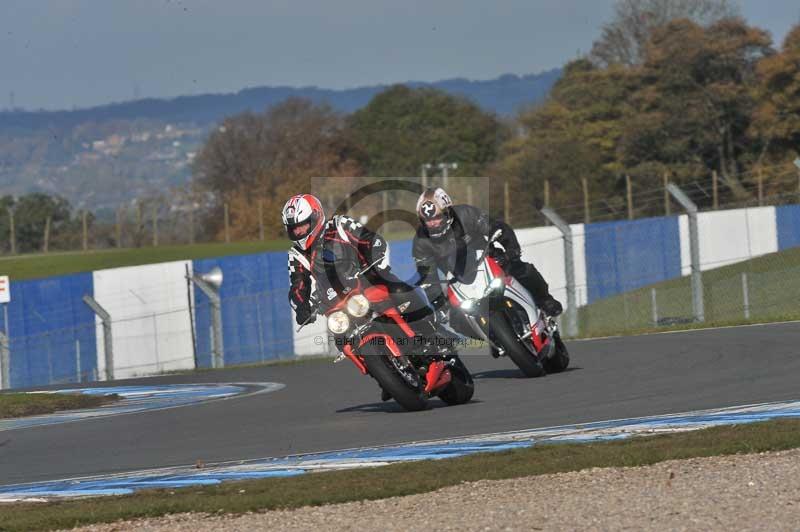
(560, 360)
(380, 366)
(507, 339)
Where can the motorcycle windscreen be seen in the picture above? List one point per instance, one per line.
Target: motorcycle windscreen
(476, 288)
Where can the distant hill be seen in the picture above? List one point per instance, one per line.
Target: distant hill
(503, 95)
(103, 156)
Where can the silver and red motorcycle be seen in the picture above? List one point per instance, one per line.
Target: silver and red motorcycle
(503, 313)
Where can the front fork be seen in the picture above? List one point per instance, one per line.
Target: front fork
(542, 334)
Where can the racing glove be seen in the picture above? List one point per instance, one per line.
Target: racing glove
(507, 257)
(306, 314)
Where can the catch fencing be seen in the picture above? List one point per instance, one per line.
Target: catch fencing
(628, 276)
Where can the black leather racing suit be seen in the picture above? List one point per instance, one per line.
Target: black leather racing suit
(469, 233)
(319, 275)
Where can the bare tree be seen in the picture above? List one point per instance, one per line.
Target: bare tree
(624, 39)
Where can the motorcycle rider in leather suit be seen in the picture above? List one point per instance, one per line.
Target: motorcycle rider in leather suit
(445, 234)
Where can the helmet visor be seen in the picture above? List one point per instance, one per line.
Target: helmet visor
(300, 230)
(436, 223)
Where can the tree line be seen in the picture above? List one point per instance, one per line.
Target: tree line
(678, 90)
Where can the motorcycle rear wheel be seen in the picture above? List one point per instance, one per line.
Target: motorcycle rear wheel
(383, 371)
(518, 353)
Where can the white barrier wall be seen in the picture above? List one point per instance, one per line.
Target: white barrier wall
(544, 248)
(727, 237)
(149, 308)
(313, 339)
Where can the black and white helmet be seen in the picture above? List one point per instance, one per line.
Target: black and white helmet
(433, 209)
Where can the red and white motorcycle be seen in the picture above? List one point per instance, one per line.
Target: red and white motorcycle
(380, 340)
(502, 312)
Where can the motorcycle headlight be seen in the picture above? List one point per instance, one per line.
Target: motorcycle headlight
(358, 306)
(497, 285)
(469, 306)
(338, 322)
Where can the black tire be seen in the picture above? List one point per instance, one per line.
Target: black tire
(518, 353)
(560, 360)
(461, 387)
(383, 371)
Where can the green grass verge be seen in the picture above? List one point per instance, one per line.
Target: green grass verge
(38, 265)
(604, 333)
(773, 284)
(20, 267)
(35, 404)
(404, 479)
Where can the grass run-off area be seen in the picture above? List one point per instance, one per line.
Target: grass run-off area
(35, 404)
(403, 479)
(33, 266)
(773, 286)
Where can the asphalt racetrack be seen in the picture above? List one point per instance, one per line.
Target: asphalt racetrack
(327, 407)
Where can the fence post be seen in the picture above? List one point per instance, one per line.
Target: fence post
(47, 223)
(261, 220)
(760, 186)
(586, 215)
(5, 352)
(469, 195)
(227, 224)
(209, 283)
(108, 340)
(12, 231)
(715, 189)
(119, 226)
(569, 269)
(546, 192)
(547, 198)
(629, 188)
(667, 205)
(85, 231)
(139, 224)
(694, 242)
(191, 224)
(155, 226)
(654, 305)
(745, 296)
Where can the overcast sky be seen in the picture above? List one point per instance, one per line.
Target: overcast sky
(58, 54)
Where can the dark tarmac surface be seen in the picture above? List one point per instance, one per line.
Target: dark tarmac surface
(327, 407)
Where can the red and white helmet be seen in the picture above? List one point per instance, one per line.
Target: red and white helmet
(304, 220)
